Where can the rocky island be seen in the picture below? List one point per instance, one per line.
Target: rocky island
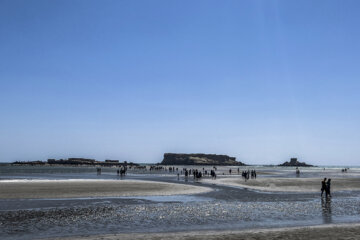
(199, 159)
(77, 162)
(294, 163)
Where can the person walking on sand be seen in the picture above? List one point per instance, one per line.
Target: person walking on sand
(328, 187)
(323, 186)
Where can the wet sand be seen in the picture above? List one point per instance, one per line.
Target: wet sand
(53, 189)
(289, 184)
(94, 209)
(323, 232)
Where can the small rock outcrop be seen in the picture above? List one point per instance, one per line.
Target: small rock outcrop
(295, 163)
(199, 159)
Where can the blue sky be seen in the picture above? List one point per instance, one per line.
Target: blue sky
(259, 80)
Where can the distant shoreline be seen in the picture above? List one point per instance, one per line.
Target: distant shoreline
(153, 164)
(77, 162)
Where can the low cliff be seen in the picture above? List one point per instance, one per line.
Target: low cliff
(295, 163)
(199, 159)
(77, 162)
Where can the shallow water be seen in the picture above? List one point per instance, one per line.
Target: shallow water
(59, 172)
(224, 208)
(96, 216)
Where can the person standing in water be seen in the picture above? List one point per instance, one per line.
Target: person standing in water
(328, 187)
(323, 186)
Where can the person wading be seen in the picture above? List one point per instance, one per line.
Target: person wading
(328, 188)
(323, 186)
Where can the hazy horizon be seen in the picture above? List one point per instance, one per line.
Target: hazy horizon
(262, 81)
(159, 161)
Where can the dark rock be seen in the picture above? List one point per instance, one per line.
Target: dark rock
(295, 163)
(199, 159)
(77, 162)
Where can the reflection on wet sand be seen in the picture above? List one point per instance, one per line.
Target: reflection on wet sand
(326, 210)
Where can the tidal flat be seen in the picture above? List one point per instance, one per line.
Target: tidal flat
(67, 203)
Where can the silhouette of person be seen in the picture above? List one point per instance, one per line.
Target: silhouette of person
(323, 186)
(328, 187)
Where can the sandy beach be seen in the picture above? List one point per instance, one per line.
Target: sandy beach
(289, 184)
(323, 232)
(159, 205)
(23, 189)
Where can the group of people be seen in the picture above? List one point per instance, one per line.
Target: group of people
(122, 171)
(157, 168)
(325, 187)
(196, 173)
(247, 174)
(213, 174)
